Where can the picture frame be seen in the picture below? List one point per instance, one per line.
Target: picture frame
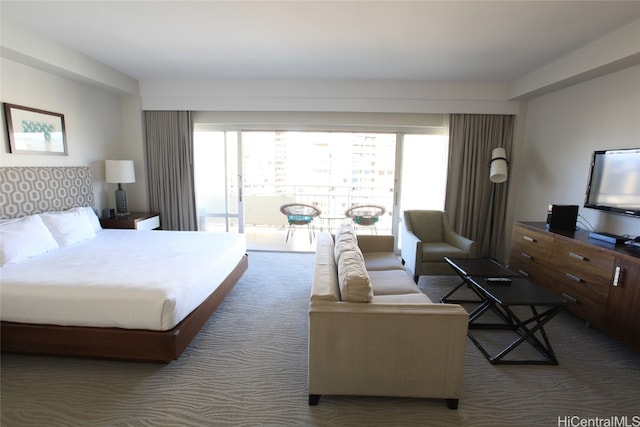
(34, 131)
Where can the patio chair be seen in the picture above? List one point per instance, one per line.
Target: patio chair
(365, 215)
(300, 214)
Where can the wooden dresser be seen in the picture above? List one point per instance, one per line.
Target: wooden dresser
(583, 272)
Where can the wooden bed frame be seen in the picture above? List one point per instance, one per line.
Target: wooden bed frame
(115, 343)
(79, 341)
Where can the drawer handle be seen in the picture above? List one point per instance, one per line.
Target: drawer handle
(525, 255)
(569, 298)
(618, 275)
(577, 256)
(529, 239)
(574, 278)
(524, 273)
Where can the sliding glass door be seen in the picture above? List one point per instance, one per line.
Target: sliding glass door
(243, 177)
(332, 171)
(218, 172)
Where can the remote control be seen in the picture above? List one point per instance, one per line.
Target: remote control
(498, 280)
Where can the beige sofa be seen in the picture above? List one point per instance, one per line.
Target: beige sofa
(372, 332)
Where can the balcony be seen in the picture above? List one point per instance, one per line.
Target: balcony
(266, 227)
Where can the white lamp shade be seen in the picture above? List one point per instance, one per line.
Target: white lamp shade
(119, 171)
(498, 171)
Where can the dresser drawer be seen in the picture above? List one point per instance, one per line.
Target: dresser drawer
(149, 223)
(581, 263)
(533, 268)
(532, 244)
(597, 292)
(580, 300)
(583, 275)
(134, 220)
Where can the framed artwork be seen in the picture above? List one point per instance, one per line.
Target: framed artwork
(33, 131)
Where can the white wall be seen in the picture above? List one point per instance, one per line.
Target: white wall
(27, 47)
(359, 96)
(562, 130)
(93, 121)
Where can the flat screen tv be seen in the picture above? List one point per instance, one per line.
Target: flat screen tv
(614, 182)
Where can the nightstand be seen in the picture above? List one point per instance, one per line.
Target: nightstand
(134, 221)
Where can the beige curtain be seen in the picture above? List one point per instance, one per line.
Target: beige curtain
(169, 144)
(476, 206)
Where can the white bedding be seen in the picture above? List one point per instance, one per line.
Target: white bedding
(120, 278)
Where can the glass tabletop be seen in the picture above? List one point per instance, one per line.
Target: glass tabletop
(519, 291)
(481, 267)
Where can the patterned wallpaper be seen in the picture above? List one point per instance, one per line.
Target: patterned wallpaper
(31, 190)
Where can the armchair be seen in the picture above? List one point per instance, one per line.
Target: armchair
(427, 237)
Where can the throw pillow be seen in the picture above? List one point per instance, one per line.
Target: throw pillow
(353, 278)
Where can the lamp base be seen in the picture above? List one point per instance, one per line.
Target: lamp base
(121, 202)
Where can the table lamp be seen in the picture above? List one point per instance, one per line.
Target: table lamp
(119, 172)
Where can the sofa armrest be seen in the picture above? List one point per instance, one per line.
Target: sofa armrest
(413, 350)
(373, 243)
(411, 249)
(461, 242)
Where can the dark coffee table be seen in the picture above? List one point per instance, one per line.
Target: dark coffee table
(501, 299)
(480, 267)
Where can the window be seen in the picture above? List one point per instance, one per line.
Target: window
(425, 161)
(330, 169)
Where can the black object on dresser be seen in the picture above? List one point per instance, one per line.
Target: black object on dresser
(562, 217)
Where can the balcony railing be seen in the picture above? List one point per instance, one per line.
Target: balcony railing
(262, 205)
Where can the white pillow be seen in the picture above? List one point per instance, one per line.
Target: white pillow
(68, 227)
(25, 238)
(91, 216)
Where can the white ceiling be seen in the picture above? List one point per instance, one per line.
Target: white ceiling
(471, 41)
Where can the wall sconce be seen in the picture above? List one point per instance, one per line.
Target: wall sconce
(498, 166)
(119, 172)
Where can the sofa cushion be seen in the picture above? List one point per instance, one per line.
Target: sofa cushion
(375, 261)
(392, 282)
(435, 252)
(353, 278)
(344, 228)
(401, 299)
(345, 245)
(345, 241)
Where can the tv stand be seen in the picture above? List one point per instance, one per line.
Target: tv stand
(599, 281)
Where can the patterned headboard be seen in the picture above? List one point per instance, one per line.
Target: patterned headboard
(31, 190)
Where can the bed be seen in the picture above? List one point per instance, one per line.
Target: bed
(110, 294)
